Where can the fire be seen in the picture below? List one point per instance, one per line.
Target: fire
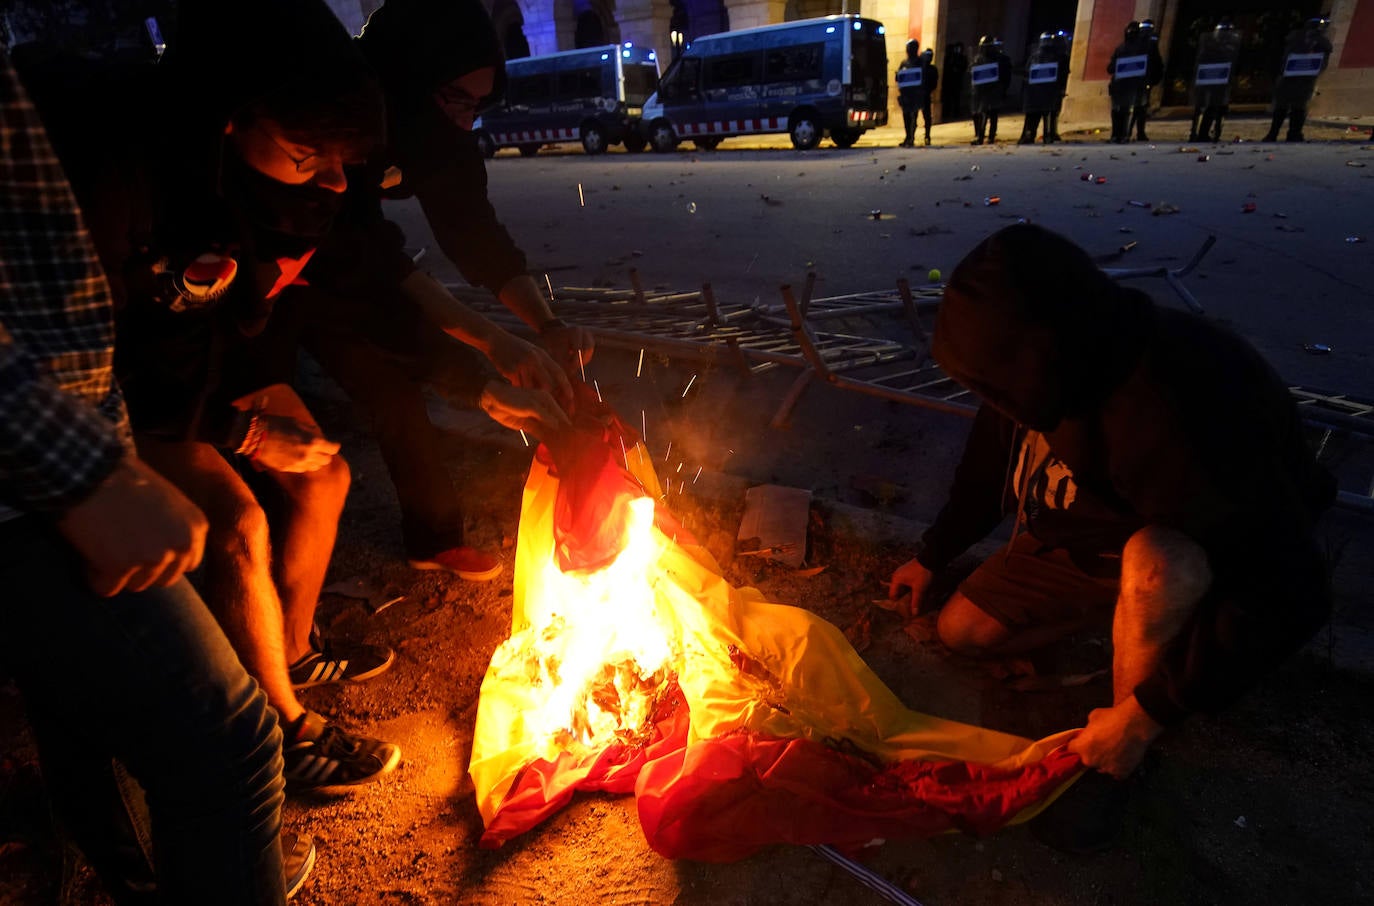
(596, 645)
(633, 666)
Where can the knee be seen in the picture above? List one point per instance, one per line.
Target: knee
(966, 629)
(326, 487)
(1164, 574)
(238, 525)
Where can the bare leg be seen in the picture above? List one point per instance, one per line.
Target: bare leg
(1164, 574)
(967, 629)
(237, 565)
(305, 541)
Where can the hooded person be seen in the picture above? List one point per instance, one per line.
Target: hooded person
(1128, 442)
(211, 179)
(383, 329)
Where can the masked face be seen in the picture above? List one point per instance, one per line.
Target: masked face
(466, 96)
(303, 212)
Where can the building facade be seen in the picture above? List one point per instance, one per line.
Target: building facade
(1347, 88)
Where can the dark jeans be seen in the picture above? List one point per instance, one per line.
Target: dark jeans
(149, 680)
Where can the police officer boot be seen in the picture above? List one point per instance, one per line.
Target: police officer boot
(1192, 130)
(1054, 128)
(1296, 119)
(1202, 132)
(1273, 134)
(927, 133)
(1141, 115)
(979, 126)
(1216, 127)
(1028, 129)
(1118, 126)
(992, 128)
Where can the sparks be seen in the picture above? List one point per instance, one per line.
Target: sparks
(689, 386)
(581, 201)
(549, 284)
(624, 456)
(582, 366)
(679, 467)
(643, 427)
(698, 475)
(597, 387)
(640, 367)
(668, 452)
(524, 438)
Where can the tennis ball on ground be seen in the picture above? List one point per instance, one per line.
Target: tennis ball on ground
(934, 275)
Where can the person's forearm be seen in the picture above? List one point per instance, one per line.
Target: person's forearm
(523, 297)
(54, 447)
(449, 314)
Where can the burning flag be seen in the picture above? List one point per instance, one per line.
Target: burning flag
(634, 667)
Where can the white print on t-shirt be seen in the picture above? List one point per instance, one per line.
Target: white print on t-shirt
(1041, 477)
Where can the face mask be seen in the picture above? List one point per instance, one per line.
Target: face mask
(300, 212)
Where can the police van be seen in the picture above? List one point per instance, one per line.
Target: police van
(593, 95)
(808, 79)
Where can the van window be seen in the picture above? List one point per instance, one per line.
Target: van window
(641, 80)
(868, 71)
(529, 90)
(574, 84)
(793, 64)
(681, 83)
(733, 70)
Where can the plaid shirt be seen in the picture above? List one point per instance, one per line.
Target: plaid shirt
(63, 426)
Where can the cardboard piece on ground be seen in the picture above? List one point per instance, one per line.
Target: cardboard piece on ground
(777, 516)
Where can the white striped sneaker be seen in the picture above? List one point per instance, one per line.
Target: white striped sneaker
(325, 755)
(339, 662)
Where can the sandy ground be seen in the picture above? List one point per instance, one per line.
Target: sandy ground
(1266, 803)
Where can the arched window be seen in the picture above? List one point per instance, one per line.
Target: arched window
(590, 31)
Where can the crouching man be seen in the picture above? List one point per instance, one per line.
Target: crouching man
(1157, 471)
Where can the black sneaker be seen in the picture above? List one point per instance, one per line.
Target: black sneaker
(339, 662)
(318, 754)
(297, 861)
(1087, 819)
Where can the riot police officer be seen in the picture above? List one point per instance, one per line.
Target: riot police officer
(1217, 51)
(916, 81)
(1154, 74)
(990, 75)
(1047, 75)
(1128, 68)
(1305, 55)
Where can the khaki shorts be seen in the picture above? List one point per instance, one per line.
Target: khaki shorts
(1029, 584)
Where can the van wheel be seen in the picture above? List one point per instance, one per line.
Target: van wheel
(485, 144)
(706, 144)
(844, 138)
(635, 143)
(804, 131)
(530, 150)
(662, 137)
(593, 138)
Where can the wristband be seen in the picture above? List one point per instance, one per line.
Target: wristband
(552, 324)
(256, 433)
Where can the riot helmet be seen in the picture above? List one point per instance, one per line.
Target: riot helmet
(1318, 23)
(1132, 30)
(913, 47)
(989, 41)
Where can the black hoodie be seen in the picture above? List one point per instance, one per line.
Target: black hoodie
(1163, 418)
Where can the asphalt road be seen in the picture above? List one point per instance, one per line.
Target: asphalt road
(756, 214)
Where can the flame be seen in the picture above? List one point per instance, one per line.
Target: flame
(596, 645)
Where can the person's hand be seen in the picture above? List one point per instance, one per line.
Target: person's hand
(1115, 739)
(291, 445)
(526, 365)
(523, 409)
(564, 342)
(908, 586)
(136, 530)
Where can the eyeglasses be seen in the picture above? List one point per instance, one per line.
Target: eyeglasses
(304, 165)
